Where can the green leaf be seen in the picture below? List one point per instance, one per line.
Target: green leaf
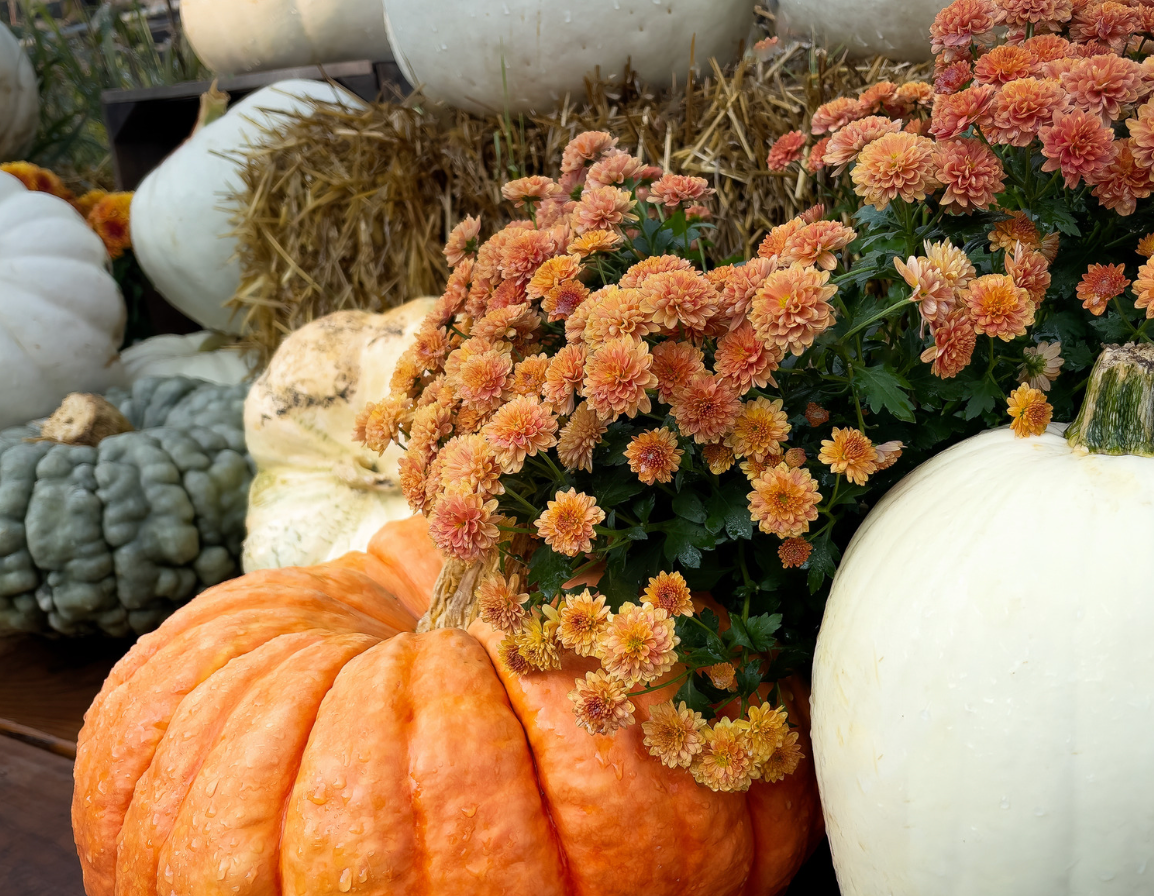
(549, 570)
(822, 563)
(983, 395)
(691, 696)
(884, 389)
(617, 487)
(761, 630)
(729, 510)
(643, 508)
(685, 541)
(749, 678)
(689, 507)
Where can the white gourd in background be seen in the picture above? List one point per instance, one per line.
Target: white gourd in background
(61, 314)
(236, 36)
(454, 48)
(899, 29)
(317, 494)
(204, 356)
(181, 223)
(19, 97)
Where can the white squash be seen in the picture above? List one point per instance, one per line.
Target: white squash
(983, 700)
(19, 97)
(61, 315)
(260, 35)
(317, 494)
(203, 356)
(454, 48)
(899, 29)
(181, 217)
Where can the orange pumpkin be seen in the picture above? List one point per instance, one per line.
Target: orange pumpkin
(286, 733)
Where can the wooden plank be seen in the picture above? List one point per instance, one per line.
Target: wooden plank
(37, 853)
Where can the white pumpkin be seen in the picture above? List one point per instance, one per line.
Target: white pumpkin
(983, 687)
(317, 494)
(19, 97)
(260, 35)
(204, 356)
(61, 315)
(455, 48)
(899, 29)
(181, 216)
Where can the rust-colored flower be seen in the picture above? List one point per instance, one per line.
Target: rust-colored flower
(537, 643)
(674, 364)
(1034, 12)
(519, 429)
(783, 761)
(835, 114)
(726, 763)
(480, 378)
(895, 166)
(616, 377)
(774, 241)
(723, 676)
(679, 300)
(600, 703)
(552, 273)
(639, 644)
(1030, 270)
(530, 189)
(784, 501)
(603, 208)
(850, 452)
(816, 243)
(593, 241)
(844, 145)
(1146, 246)
(1108, 23)
(785, 150)
(1144, 288)
(462, 524)
(647, 267)
(501, 602)
(585, 147)
(580, 436)
(1047, 47)
(998, 307)
(654, 455)
(742, 282)
(672, 190)
(613, 169)
(791, 308)
(37, 179)
(816, 415)
(581, 621)
(567, 523)
(952, 77)
(1123, 182)
(815, 158)
(617, 314)
(110, 218)
(953, 346)
(413, 472)
(718, 457)
(1004, 64)
(563, 299)
(469, 461)
(564, 376)
(743, 361)
(794, 552)
(673, 734)
(1030, 412)
(705, 408)
(1078, 145)
(1100, 284)
(971, 173)
(1142, 135)
(767, 728)
(962, 24)
(1103, 85)
(1041, 365)
(932, 290)
(511, 657)
(954, 113)
(378, 424)
(760, 429)
(669, 591)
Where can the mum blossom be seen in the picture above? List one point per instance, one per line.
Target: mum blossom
(744, 361)
(1145, 246)
(1029, 411)
(1144, 288)
(613, 169)
(792, 308)
(566, 524)
(726, 764)
(520, 428)
(602, 208)
(580, 621)
(462, 524)
(639, 644)
(895, 166)
(669, 591)
(953, 113)
(584, 148)
(654, 264)
(951, 78)
(998, 307)
(784, 501)
(1103, 85)
(794, 552)
(915, 93)
(963, 23)
(524, 252)
(1110, 23)
(816, 244)
(481, 379)
(679, 300)
(971, 173)
(462, 241)
(537, 643)
(1003, 64)
(723, 676)
(878, 97)
(1034, 12)
(564, 376)
(741, 283)
(1100, 284)
(593, 241)
(953, 263)
(850, 452)
(673, 734)
(760, 429)
(953, 346)
(580, 436)
(815, 158)
(1142, 135)
(935, 296)
(835, 114)
(501, 602)
(783, 761)
(1078, 145)
(671, 190)
(469, 461)
(563, 299)
(1041, 365)
(618, 313)
(616, 377)
(674, 364)
(774, 241)
(1123, 182)
(785, 149)
(530, 189)
(1022, 108)
(552, 272)
(1030, 270)
(843, 147)
(654, 456)
(718, 457)
(705, 408)
(601, 703)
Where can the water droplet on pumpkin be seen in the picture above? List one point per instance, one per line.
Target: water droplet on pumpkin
(1005, 804)
(346, 882)
(469, 811)
(210, 788)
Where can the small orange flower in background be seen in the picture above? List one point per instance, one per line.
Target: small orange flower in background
(37, 179)
(963, 23)
(1146, 246)
(88, 201)
(998, 307)
(674, 364)
(971, 173)
(638, 645)
(816, 415)
(1100, 284)
(669, 591)
(835, 114)
(953, 346)
(567, 523)
(110, 219)
(815, 158)
(760, 429)
(895, 166)
(654, 455)
(784, 501)
(616, 377)
(955, 112)
(785, 150)
(520, 428)
(672, 190)
(723, 676)
(602, 208)
(794, 552)
(530, 189)
(580, 622)
(705, 408)
(462, 241)
(1030, 411)
(1003, 64)
(1144, 288)
(500, 602)
(601, 703)
(718, 457)
(594, 241)
(579, 437)
(850, 452)
(673, 734)
(844, 145)
(584, 148)
(795, 457)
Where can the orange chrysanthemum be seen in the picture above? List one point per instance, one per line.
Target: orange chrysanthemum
(563, 299)
(481, 378)
(654, 455)
(1142, 135)
(1021, 109)
(509, 653)
(718, 457)
(760, 429)
(673, 734)
(1100, 284)
(1033, 12)
(679, 300)
(895, 166)
(530, 189)
(529, 375)
(613, 169)
(639, 644)
(955, 112)
(552, 273)
(593, 241)
(1144, 288)
(962, 23)
(783, 761)
(110, 219)
(1047, 47)
(816, 243)
(616, 377)
(1078, 145)
(952, 77)
(792, 308)
(469, 461)
(850, 452)
(523, 253)
(519, 429)
(723, 676)
(932, 290)
(835, 114)
(726, 763)
(617, 314)
(815, 158)
(785, 150)
(1109, 23)
(843, 146)
(580, 622)
(647, 267)
(1103, 85)
(1146, 246)
(953, 346)
(672, 190)
(816, 415)
(1123, 182)
(37, 179)
(580, 436)
(501, 602)
(564, 376)
(998, 307)
(462, 524)
(601, 703)
(971, 173)
(705, 408)
(794, 552)
(585, 148)
(774, 241)
(1030, 270)
(888, 454)
(567, 523)
(86, 203)
(741, 283)
(537, 643)
(463, 241)
(743, 361)
(602, 208)
(784, 501)
(1017, 228)
(1030, 411)
(669, 591)
(1004, 64)
(674, 364)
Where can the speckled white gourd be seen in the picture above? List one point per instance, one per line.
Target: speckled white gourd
(235, 36)
(983, 701)
(899, 29)
(19, 97)
(454, 48)
(181, 213)
(197, 355)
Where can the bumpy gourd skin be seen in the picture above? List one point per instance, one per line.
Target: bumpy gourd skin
(114, 538)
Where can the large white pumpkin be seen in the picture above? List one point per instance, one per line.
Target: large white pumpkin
(983, 690)
(232, 36)
(61, 315)
(19, 97)
(181, 217)
(454, 48)
(317, 494)
(899, 29)
(204, 356)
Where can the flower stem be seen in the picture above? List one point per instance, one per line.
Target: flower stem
(875, 318)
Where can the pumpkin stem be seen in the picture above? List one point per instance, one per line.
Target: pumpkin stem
(454, 603)
(1117, 416)
(84, 419)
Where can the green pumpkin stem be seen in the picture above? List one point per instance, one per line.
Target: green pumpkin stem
(1117, 416)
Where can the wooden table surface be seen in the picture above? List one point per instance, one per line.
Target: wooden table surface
(45, 687)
